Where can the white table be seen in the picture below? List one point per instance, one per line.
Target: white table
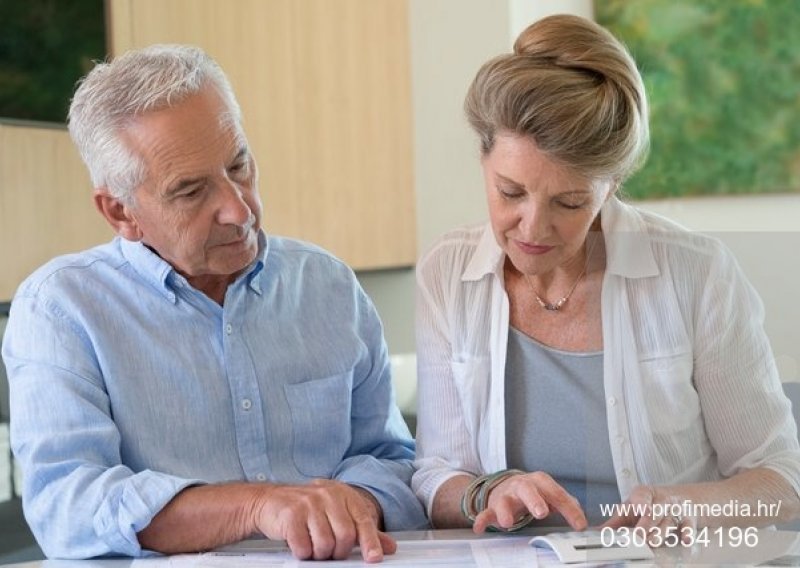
(444, 548)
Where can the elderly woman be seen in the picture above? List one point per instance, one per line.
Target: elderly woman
(577, 352)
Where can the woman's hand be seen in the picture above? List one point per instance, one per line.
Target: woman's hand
(535, 493)
(762, 497)
(652, 506)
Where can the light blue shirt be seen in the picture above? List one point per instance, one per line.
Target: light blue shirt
(128, 385)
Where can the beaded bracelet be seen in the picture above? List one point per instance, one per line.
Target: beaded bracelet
(476, 498)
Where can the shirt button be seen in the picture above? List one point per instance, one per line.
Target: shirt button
(261, 477)
(612, 401)
(626, 472)
(247, 404)
(229, 329)
(620, 440)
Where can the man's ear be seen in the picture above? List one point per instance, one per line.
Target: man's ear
(118, 215)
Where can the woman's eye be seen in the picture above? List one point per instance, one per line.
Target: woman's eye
(510, 193)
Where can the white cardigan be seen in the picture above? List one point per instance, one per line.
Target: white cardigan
(692, 391)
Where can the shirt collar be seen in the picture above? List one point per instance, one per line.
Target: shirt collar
(488, 257)
(629, 252)
(628, 246)
(162, 276)
(256, 269)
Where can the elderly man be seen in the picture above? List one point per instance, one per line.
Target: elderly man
(195, 381)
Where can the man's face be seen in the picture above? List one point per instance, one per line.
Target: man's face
(199, 207)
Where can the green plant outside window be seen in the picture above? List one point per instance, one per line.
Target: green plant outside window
(723, 78)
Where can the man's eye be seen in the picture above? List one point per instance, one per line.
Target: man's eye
(566, 205)
(238, 168)
(191, 194)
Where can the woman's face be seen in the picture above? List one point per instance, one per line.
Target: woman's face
(540, 211)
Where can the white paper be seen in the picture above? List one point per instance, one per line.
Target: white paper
(503, 552)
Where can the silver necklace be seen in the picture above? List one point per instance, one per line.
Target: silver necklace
(558, 304)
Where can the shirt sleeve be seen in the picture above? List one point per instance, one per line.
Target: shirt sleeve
(381, 454)
(79, 499)
(445, 447)
(747, 415)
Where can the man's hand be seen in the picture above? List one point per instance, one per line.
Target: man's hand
(323, 520)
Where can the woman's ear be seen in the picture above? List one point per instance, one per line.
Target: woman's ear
(614, 187)
(118, 215)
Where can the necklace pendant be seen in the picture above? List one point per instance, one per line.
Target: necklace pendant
(551, 307)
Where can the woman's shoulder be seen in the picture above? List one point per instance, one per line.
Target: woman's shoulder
(677, 239)
(456, 247)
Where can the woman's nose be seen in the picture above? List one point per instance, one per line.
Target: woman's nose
(534, 222)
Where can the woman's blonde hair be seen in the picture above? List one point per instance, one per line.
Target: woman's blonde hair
(574, 89)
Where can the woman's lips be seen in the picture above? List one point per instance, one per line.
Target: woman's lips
(528, 248)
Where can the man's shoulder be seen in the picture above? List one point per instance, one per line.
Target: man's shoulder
(300, 254)
(59, 271)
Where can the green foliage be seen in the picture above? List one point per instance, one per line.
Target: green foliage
(45, 47)
(723, 79)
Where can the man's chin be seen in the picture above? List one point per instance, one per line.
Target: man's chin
(233, 263)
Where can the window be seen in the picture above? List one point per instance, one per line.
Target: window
(722, 78)
(45, 47)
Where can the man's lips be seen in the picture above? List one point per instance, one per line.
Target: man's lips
(233, 242)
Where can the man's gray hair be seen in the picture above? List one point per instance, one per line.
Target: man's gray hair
(115, 92)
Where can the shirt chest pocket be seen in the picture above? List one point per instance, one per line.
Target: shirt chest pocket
(320, 411)
(671, 399)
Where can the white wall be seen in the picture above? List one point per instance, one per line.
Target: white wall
(524, 12)
(450, 40)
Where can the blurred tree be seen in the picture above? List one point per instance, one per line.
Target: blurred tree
(45, 47)
(723, 79)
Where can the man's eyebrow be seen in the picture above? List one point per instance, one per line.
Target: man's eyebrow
(188, 182)
(243, 151)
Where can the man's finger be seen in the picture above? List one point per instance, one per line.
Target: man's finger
(323, 540)
(344, 532)
(368, 540)
(298, 540)
(388, 544)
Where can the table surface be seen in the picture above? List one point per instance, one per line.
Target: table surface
(780, 547)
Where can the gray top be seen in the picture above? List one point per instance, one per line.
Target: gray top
(556, 420)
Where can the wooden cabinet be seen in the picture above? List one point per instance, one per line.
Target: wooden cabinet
(325, 90)
(46, 206)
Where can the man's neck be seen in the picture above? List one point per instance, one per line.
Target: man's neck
(213, 286)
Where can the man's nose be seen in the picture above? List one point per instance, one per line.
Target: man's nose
(233, 209)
